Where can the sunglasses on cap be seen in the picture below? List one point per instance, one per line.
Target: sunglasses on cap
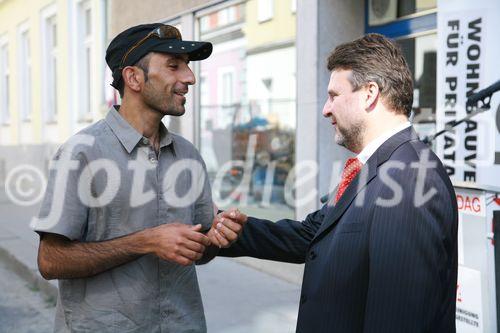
(162, 32)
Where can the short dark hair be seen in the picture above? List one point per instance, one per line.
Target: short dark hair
(143, 64)
(378, 59)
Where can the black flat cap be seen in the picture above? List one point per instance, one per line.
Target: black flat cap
(129, 43)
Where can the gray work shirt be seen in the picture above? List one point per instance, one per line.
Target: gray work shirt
(111, 184)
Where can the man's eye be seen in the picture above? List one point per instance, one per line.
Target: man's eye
(174, 66)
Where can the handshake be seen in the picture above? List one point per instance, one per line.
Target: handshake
(227, 227)
(186, 244)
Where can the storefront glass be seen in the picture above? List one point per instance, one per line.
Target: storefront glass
(417, 37)
(420, 53)
(247, 117)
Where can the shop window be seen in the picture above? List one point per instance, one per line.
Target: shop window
(384, 11)
(420, 53)
(247, 113)
(408, 7)
(412, 24)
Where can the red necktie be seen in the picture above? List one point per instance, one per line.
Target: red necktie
(351, 169)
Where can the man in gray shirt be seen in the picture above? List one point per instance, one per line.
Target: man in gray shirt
(128, 207)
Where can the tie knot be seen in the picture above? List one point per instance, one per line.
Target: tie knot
(351, 169)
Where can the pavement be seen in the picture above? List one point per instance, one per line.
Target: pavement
(23, 308)
(236, 297)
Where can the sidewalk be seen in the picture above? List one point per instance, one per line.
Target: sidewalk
(236, 298)
(19, 245)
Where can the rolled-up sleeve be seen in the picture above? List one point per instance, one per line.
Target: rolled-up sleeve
(204, 207)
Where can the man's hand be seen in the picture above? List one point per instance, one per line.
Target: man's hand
(62, 258)
(180, 243)
(227, 227)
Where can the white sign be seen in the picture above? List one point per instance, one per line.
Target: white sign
(471, 202)
(468, 53)
(469, 315)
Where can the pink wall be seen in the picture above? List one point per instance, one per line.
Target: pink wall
(231, 58)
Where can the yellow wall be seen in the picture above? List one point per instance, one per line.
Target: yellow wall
(136, 12)
(280, 28)
(13, 13)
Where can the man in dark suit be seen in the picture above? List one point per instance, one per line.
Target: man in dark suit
(381, 256)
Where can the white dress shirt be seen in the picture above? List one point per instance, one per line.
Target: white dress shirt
(370, 148)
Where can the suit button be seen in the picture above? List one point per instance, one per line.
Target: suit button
(303, 299)
(312, 255)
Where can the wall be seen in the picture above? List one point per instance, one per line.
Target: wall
(321, 25)
(147, 11)
(14, 13)
(280, 28)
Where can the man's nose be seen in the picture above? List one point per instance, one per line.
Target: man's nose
(188, 76)
(327, 109)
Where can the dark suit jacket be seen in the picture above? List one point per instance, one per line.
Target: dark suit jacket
(370, 268)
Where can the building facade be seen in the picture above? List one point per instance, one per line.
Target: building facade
(51, 65)
(52, 77)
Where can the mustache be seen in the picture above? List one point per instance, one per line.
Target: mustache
(181, 90)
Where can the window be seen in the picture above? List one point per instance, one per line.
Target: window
(84, 54)
(408, 7)
(4, 83)
(265, 10)
(3, 171)
(204, 93)
(421, 55)
(25, 85)
(247, 112)
(384, 11)
(416, 35)
(49, 61)
(221, 18)
(226, 85)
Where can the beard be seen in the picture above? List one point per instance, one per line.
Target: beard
(350, 137)
(163, 102)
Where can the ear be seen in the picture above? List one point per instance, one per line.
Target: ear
(133, 78)
(372, 94)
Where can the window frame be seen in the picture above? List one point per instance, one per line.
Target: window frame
(204, 91)
(25, 71)
(206, 35)
(221, 72)
(265, 10)
(4, 78)
(410, 26)
(49, 59)
(405, 26)
(85, 48)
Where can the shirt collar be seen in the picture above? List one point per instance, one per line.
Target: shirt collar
(370, 148)
(127, 135)
(165, 137)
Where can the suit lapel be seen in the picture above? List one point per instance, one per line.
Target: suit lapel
(368, 172)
